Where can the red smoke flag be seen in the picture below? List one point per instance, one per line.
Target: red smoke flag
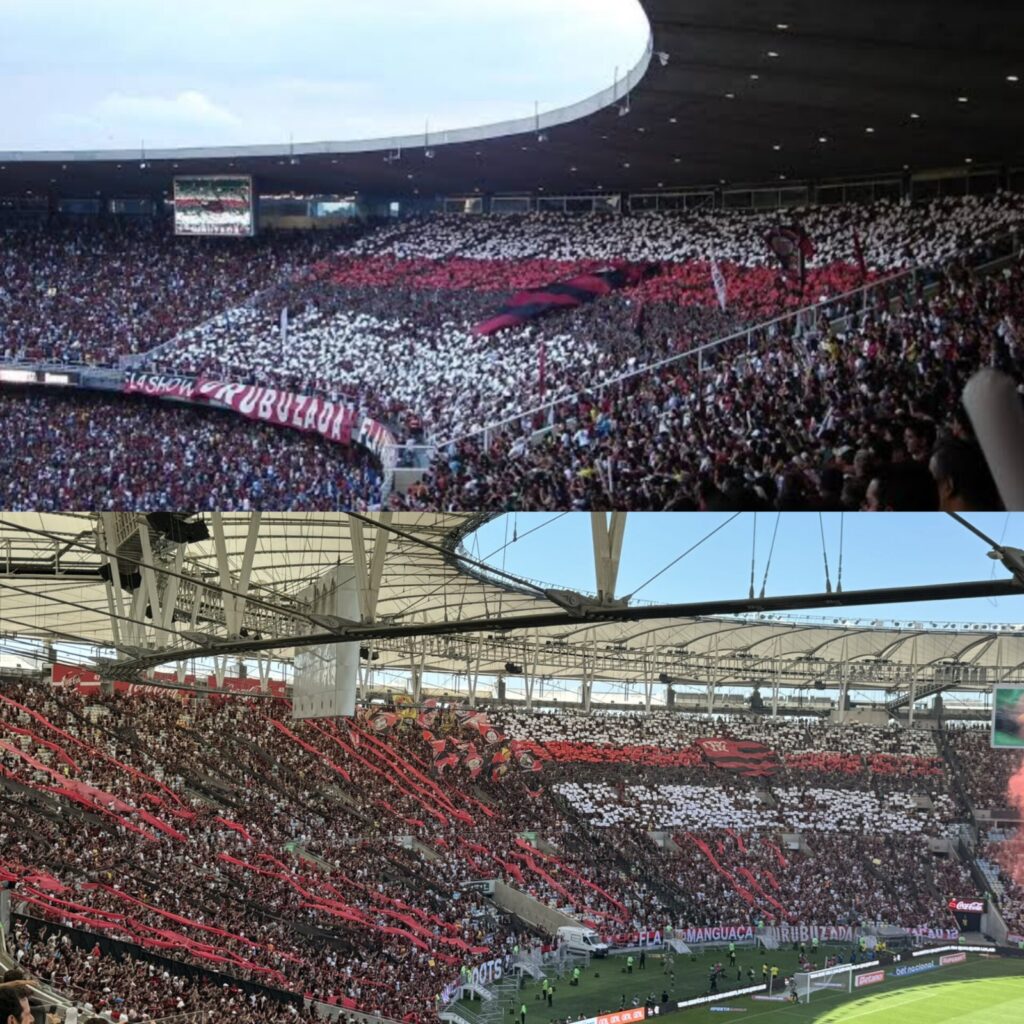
(718, 279)
(740, 756)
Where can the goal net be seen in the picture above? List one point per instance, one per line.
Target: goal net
(830, 979)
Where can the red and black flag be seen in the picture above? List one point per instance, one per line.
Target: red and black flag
(436, 745)
(741, 756)
(567, 294)
(473, 761)
(383, 721)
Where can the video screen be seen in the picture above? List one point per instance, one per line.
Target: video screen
(1008, 716)
(213, 205)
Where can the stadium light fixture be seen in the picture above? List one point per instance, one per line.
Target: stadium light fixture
(915, 117)
(429, 154)
(773, 53)
(542, 136)
(730, 95)
(961, 99)
(754, 77)
(663, 58)
(782, 25)
(1012, 78)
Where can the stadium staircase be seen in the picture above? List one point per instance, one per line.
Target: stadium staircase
(920, 693)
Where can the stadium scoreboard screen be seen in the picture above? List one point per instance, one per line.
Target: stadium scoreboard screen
(1008, 716)
(214, 205)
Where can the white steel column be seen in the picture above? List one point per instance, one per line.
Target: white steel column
(369, 575)
(220, 546)
(607, 550)
(245, 574)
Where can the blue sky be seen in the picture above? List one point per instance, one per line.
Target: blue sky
(111, 73)
(878, 551)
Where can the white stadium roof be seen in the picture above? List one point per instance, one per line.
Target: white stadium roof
(425, 604)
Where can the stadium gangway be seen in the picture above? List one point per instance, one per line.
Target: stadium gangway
(812, 314)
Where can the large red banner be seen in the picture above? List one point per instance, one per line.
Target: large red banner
(335, 421)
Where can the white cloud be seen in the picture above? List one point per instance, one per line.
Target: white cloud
(189, 109)
(109, 73)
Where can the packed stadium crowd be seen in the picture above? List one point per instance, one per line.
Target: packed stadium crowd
(859, 409)
(126, 990)
(892, 234)
(390, 320)
(81, 293)
(225, 837)
(829, 878)
(863, 418)
(76, 451)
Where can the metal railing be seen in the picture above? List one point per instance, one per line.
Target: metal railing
(846, 307)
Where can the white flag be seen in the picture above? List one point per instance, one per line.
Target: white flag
(719, 281)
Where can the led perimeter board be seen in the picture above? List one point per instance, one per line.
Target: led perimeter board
(220, 204)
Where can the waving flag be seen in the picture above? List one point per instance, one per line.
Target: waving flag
(473, 761)
(792, 247)
(741, 756)
(718, 279)
(858, 252)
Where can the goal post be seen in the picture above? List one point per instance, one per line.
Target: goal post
(830, 979)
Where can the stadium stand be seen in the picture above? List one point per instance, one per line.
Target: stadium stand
(383, 318)
(84, 293)
(237, 844)
(85, 451)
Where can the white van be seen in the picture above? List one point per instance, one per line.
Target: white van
(581, 940)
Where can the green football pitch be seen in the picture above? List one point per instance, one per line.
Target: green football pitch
(979, 991)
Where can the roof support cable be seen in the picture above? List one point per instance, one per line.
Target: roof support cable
(753, 555)
(771, 551)
(824, 554)
(839, 575)
(693, 547)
